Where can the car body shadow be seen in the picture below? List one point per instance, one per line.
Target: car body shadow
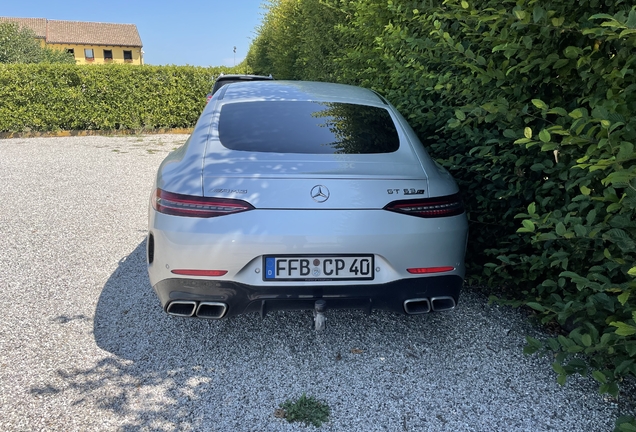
(164, 373)
(130, 323)
(188, 361)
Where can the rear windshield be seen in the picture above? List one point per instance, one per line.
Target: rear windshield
(307, 127)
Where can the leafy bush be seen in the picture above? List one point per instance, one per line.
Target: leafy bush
(557, 80)
(19, 45)
(298, 40)
(47, 97)
(531, 105)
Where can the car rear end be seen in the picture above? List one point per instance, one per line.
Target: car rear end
(323, 193)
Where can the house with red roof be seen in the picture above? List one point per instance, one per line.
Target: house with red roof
(89, 42)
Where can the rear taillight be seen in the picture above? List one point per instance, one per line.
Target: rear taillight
(196, 206)
(428, 270)
(450, 205)
(186, 272)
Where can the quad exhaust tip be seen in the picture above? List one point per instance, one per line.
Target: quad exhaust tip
(424, 305)
(217, 310)
(211, 310)
(440, 304)
(417, 306)
(181, 308)
(206, 310)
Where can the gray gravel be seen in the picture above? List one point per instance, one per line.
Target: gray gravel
(84, 344)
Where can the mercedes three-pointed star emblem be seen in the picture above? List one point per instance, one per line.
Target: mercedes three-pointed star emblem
(320, 193)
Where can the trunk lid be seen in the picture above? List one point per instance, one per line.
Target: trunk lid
(293, 181)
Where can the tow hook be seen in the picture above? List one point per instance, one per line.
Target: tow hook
(319, 315)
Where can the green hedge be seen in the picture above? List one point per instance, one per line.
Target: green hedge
(50, 97)
(531, 105)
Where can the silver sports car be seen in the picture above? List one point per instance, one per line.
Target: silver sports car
(303, 195)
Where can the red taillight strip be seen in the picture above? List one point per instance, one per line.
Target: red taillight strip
(194, 206)
(450, 205)
(426, 270)
(184, 272)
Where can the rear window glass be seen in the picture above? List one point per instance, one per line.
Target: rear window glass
(307, 127)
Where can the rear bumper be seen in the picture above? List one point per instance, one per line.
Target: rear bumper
(237, 243)
(241, 298)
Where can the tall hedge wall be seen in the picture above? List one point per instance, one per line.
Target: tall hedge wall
(48, 97)
(531, 104)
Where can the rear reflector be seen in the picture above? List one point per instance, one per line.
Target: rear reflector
(426, 270)
(195, 206)
(199, 272)
(450, 205)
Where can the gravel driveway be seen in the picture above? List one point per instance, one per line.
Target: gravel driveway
(84, 344)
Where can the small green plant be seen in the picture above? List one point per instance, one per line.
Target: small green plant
(625, 424)
(308, 410)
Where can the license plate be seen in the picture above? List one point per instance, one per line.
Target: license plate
(318, 268)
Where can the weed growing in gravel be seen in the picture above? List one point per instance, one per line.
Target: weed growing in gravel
(308, 410)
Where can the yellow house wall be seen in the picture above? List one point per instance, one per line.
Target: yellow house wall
(98, 53)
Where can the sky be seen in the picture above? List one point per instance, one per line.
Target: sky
(185, 32)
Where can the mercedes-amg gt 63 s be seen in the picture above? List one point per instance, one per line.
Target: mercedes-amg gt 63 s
(303, 195)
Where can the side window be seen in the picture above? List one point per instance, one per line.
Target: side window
(108, 55)
(88, 54)
(70, 51)
(128, 56)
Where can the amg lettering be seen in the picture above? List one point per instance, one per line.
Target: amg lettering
(413, 191)
(234, 191)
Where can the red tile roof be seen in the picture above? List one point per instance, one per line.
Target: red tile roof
(38, 25)
(81, 32)
(91, 33)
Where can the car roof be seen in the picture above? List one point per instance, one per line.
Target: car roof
(299, 91)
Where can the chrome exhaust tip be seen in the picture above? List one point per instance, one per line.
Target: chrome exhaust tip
(181, 308)
(440, 304)
(417, 306)
(211, 310)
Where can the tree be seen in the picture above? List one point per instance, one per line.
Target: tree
(298, 39)
(19, 45)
